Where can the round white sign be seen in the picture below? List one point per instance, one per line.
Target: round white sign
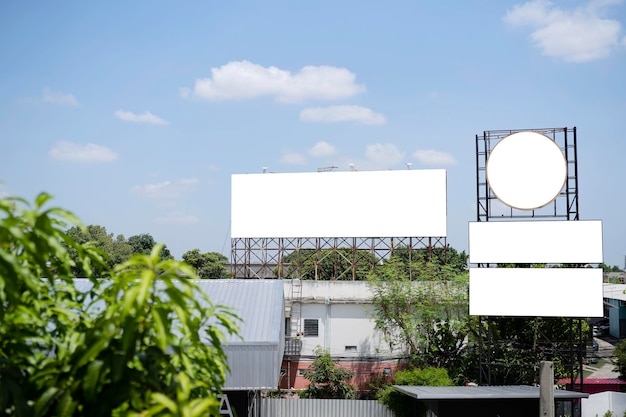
(526, 170)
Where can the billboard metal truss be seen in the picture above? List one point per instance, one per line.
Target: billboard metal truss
(564, 206)
(263, 258)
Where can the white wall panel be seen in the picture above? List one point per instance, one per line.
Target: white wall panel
(546, 292)
(536, 242)
(339, 204)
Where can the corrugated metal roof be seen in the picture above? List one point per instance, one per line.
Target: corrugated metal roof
(255, 358)
(614, 291)
(259, 303)
(482, 392)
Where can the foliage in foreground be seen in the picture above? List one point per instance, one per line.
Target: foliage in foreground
(328, 380)
(140, 343)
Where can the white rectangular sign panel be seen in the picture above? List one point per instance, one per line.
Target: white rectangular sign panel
(406, 203)
(542, 292)
(536, 242)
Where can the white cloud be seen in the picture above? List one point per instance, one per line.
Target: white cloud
(384, 154)
(145, 117)
(177, 218)
(75, 152)
(293, 158)
(322, 149)
(166, 189)
(579, 35)
(334, 114)
(57, 97)
(245, 80)
(432, 157)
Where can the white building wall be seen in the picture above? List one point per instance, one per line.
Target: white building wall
(341, 326)
(352, 325)
(344, 313)
(598, 404)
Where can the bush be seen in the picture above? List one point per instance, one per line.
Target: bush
(400, 404)
(327, 379)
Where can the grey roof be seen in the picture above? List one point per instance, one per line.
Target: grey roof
(259, 303)
(255, 359)
(482, 392)
(614, 291)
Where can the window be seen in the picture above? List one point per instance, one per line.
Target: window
(311, 327)
(301, 372)
(387, 371)
(350, 348)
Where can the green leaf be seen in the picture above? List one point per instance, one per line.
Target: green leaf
(90, 380)
(165, 402)
(45, 401)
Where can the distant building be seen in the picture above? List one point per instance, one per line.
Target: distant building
(615, 309)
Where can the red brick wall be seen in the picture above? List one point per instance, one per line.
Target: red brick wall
(364, 372)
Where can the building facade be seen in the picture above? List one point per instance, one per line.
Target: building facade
(334, 316)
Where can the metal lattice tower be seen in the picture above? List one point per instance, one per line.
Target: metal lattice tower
(564, 206)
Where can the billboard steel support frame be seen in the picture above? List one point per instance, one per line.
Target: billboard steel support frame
(565, 206)
(261, 258)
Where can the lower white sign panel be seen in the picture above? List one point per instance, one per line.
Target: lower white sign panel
(542, 292)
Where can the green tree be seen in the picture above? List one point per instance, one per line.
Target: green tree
(140, 343)
(328, 380)
(619, 359)
(115, 249)
(519, 344)
(327, 264)
(143, 244)
(426, 317)
(419, 258)
(210, 265)
(608, 268)
(400, 404)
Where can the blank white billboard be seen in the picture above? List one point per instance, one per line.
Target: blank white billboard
(543, 292)
(406, 203)
(536, 242)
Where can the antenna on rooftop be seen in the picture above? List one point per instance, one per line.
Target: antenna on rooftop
(327, 169)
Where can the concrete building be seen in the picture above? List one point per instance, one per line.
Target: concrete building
(335, 316)
(615, 309)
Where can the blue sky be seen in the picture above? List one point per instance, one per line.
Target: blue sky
(134, 115)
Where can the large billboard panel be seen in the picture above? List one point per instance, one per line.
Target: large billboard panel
(536, 242)
(405, 203)
(543, 292)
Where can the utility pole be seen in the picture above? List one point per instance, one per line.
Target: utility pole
(546, 389)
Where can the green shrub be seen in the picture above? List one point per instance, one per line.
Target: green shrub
(142, 342)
